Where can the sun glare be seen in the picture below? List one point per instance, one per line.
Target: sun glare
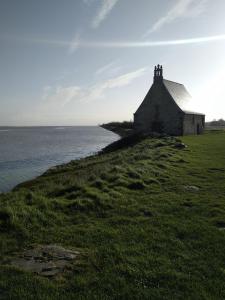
(210, 97)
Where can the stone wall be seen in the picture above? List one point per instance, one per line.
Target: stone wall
(159, 112)
(193, 124)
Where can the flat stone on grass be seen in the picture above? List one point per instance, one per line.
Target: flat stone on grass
(45, 260)
(191, 188)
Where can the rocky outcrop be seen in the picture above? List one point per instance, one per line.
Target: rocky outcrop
(46, 260)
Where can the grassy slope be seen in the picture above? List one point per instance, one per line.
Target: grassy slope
(142, 236)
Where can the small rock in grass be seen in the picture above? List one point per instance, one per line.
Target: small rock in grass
(61, 263)
(59, 252)
(49, 273)
(220, 224)
(222, 228)
(180, 145)
(28, 265)
(191, 188)
(33, 253)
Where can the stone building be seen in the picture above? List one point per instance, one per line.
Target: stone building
(164, 109)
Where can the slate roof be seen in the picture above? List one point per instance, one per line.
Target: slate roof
(180, 95)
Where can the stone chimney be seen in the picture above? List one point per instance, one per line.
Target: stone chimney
(158, 74)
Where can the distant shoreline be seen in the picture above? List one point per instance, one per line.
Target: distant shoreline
(48, 126)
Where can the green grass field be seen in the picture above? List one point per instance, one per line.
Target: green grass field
(142, 235)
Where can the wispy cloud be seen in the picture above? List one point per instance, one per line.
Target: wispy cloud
(182, 9)
(105, 68)
(124, 79)
(75, 43)
(99, 90)
(104, 10)
(61, 96)
(110, 69)
(88, 1)
(125, 44)
(46, 91)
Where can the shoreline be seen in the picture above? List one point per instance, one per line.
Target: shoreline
(8, 190)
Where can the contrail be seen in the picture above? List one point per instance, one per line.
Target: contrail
(125, 44)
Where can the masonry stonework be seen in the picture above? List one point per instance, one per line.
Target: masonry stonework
(163, 109)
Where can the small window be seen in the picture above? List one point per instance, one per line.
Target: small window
(193, 119)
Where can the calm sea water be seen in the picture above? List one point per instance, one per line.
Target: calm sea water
(26, 152)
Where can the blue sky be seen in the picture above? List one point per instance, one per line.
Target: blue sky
(84, 62)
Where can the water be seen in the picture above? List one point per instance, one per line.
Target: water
(26, 152)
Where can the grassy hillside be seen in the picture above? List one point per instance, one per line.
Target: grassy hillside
(148, 220)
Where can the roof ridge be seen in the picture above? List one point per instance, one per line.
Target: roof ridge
(173, 82)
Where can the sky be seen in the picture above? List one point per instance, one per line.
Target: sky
(85, 62)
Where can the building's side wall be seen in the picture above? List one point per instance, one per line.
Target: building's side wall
(193, 124)
(158, 112)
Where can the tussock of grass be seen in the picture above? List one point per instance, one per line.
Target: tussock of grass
(5, 219)
(144, 235)
(136, 185)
